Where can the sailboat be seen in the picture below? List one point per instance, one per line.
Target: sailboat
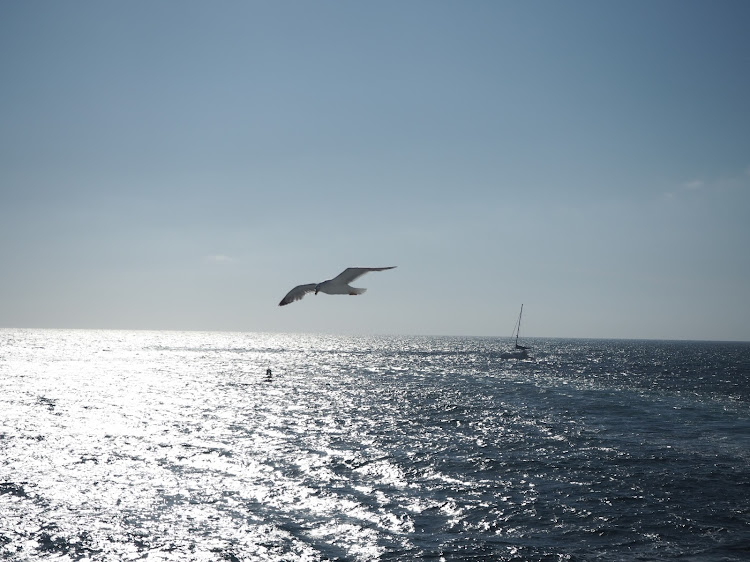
(518, 351)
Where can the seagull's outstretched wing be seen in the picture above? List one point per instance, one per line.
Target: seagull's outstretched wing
(351, 273)
(297, 293)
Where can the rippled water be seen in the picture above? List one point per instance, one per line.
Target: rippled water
(174, 446)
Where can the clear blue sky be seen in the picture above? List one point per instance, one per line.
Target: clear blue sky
(182, 165)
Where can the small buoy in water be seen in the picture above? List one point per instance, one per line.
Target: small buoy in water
(268, 373)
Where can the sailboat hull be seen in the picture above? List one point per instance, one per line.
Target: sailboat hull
(518, 354)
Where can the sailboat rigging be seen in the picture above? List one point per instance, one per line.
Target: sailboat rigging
(519, 351)
(518, 330)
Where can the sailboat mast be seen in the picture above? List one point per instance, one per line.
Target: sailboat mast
(518, 328)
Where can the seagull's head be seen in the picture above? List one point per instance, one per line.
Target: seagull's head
(317, 288)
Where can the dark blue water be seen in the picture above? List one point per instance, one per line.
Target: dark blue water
(174, 446)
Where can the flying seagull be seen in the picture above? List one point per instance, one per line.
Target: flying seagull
(339, 285)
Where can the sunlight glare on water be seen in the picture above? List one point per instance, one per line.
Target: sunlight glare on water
(118, 445)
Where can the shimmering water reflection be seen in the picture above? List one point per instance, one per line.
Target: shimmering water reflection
(174, 446)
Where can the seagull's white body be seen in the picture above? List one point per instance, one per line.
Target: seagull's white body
(339, 285)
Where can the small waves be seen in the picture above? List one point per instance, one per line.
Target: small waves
(174, 446)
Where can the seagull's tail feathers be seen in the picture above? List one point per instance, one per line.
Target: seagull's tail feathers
(356, 291)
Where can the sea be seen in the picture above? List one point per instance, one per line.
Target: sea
(179, 446)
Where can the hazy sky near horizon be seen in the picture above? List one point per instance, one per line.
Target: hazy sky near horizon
(183, 164)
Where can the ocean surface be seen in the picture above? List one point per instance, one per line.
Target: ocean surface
(118, 445)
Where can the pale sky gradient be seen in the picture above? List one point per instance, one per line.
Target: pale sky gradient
(183, 164)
